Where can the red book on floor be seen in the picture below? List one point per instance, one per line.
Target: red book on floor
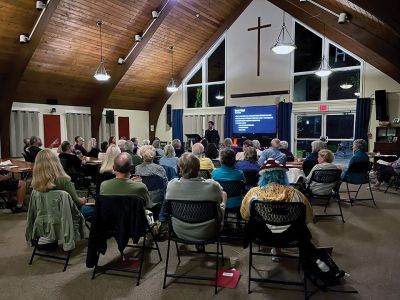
(227, 278)
(130, 262)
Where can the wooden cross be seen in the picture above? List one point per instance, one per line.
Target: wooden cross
(258, 28)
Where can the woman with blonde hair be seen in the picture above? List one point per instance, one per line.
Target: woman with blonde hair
(48, 174)
(108, 162)
(92, 149)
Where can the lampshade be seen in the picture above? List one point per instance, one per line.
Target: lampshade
(324, 69)
(281, 45)
(283, 48)
(346, 86)
(172, 88)
(101, 73)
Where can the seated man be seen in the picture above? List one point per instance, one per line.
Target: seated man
(33, 150)
(194, 188)
(359, 149)
(79, 145)
(386, 172)
(205, 162)
(273, 152)
(10, 185)
(73, 162)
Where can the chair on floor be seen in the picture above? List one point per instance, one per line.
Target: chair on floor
(325, 177)
(170, 171)
(308, 165)
(81, 181)
(155, 186)
(193, 212)
(251, 179)
(277, 225)
(205, 174)
(395, 182)
(358, 174)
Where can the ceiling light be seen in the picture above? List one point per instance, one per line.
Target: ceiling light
(219, 96)
(281, 46)
(324, 68)
(40, 5)
(155, 14)
(101, 73)
(346, 86)
(172, 88)
(357, 94)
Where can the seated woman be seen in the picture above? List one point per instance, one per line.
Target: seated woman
(103, 149)
(194, 188)
(176, 143)
(157, 147)
(169, 159)
(212, 151)
(48, 174)
(205, 162)
(359, 155)
(246, 143)
(106, 170)
(228, 172)
(386, 172)
(325, 159)
(148, 167)
(92, 149)
(250, 160)
(284, 149)
(312, 159)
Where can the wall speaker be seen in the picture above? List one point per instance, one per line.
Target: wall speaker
(169, 115)
(51, 101)
(380, 104)
(109, 116)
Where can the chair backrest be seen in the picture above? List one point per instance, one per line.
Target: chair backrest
(308, 165)
(190, 211)
(233, 188)
(358, 172)
(216, 163)
(25, 156)
(205, 174)
(64, 164)
(326, 175)
(170, 171)
(102, 177)
(278, 213)
(251, 177)
(153, 182)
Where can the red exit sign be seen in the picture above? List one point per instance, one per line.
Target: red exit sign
(323, 108)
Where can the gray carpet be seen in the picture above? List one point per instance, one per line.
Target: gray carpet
(366, 246)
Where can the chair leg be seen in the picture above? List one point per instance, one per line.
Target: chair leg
(177, 252)
(222, 253)
(166, 263)
(250, 266)
(370, 191)
(155, 241)
(348, 193)
(340, 208)
(34, 251)
(141, 260)
(327, 203)
(66, 262)
(216, 269)
(95, 266)
(355, 198)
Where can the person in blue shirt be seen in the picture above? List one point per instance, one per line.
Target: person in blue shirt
(228, 172)
(249, 163)
(273, 152)
(359, 155)
(169, 160)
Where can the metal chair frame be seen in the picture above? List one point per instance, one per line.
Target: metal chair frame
(36, 253)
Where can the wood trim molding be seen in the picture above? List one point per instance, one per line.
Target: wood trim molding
(259, 94)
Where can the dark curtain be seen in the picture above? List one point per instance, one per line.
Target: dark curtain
(177, 124)
(284, 121)
(228, 123)
(363, 112)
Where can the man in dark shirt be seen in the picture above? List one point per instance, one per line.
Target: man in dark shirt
(69, 160)
(34, 149)
(211, 134)
(79, 145)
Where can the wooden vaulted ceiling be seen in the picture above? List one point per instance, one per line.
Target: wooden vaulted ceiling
(64, 53)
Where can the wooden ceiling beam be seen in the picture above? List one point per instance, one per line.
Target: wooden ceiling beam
(159, 103)
(11, 80)
(99, 100)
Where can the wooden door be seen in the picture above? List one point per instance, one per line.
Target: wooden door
(52, 130)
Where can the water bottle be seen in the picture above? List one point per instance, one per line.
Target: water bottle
(323, 266)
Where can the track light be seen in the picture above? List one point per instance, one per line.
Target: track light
(155, 14)
(40, 5)
(121, 61)
(23, 38)
(138, 37)
(342, 18)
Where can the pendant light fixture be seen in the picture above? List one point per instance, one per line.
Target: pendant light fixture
(346, 86)
(172, 88)
(324, 68)
(101, 73)
(219, 96)
(281, 46)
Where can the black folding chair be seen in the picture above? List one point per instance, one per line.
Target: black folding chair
(308, 165)
(155, 186)
(81, 181)
(193, 212)
(395, 182)
(35, 252)
(358, 174)
(325, 177)
(205, 174)
(251, 179)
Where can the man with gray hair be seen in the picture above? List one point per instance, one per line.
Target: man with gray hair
(205, 162)
(273, 152)
(359, 155)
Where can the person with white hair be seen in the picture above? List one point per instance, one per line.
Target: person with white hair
(148, 167)
(145, 142)
(257, 145)
(284, 149)
(273, 152)
(359, 155)
(169, 160)
(205, 162)
(157, 147)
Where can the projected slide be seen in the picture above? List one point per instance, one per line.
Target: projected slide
(254, 119)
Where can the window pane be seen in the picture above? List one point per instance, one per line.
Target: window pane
(216, 95)
(342, 150)
(307, 88)
(309, 126)
(340, 126)
(196, 78)
(307, 56)
(216, 64)
(337, 82)
(194, 96)
(303, 148)
(339, 59)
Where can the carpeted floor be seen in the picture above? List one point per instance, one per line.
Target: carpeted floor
(367, 246)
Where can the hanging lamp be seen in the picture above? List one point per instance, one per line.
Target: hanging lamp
(324, 68)
(101, 73)
(171, 87)
(219, 96)
(281, 46)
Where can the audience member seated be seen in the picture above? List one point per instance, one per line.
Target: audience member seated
(12, 185)
(205, 162)
(122, 184)
(107, 166)
(273, 152)
(157, 147)
(325, 159)
(193, 188)
(249, 162)
(135, 142)
(204, 142)
(34, 148)
(79, 146)
(145, 142)
(284, 149)
(274, 186)
(103, 149)
(92, 149)
(240, 155)
(359, 155)
(128, 147)
(227, 143)
(73, 164)
(169, 159)
(121, 145)
(257, 145)
(148, 167)
(48, 174)
(212, 151)
(112, 140)
(26, 144)
(384, 173)
(312, 159)
(176, 143)
(228, 172)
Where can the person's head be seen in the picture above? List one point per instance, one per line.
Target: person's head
(275, 143)
(272, 172)
(135, 140)
(103, 146)
(35, 141)
(108, 162)
(189, 165)
(316, 146)
(26, 142)
(247, 143)
(210, 125)
(250, 154)
(145, 142)
(197, 149)
(79, 140)
(46, 170)
(228, 143)
(256, 144)
(123, 164)
(112, 140)
(359, 144)
(169, 151)
(284, 145)
(121, 144)
(176, 143)
(128, 146)
(148, 153)
(204, 142)
(325, 156)
(156, 144)
(66, 147)
(212, 151)
(92, 143)
(227, 157)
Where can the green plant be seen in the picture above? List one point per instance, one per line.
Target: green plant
(198, 102)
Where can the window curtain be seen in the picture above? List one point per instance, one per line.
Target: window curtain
(284, 121)
(228, 123)
(23, 124)
(218, 124)
(177, 124)
(106, 130)
(363, 113)
(78, 124)
(193, 124)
